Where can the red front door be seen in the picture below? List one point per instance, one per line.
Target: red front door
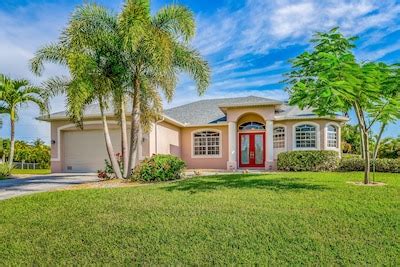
(252, 150)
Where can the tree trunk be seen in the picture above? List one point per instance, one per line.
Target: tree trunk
(367, 157)
(109, 147)
(362, 145)
(12, 138)
(365, 142)
(376, 149)
(135, 123)
(124, 140)
(378, 140)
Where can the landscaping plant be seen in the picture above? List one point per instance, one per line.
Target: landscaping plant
(329, 80)
(159, 168)
(319, 160)
(126, 58)
(13, 94)
(5, 170)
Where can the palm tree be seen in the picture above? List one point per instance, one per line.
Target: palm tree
(15, 93)
(157, 49)
(89, 48)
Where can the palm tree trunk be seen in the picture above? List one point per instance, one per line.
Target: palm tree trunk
(124, 140)
(12, 138)
(109, 147)
(135, 123)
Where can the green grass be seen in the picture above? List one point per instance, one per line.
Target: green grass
(285, 218)
(38, 171)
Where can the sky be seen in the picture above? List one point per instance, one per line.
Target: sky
(247, 43)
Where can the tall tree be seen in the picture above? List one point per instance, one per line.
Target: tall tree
(387, 110)
(89, 47)
(14, 94)
(157, 49)
(329, 80)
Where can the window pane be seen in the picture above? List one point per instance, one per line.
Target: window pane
(259, 148)
(244, 141)
(306, 136)
(332, 136)
(206, 143)
(279, 137)
(252, 126)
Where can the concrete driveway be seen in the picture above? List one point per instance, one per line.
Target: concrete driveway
(41, 183)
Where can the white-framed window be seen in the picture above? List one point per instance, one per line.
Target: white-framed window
(306, 136)
(207, 143)
(252, 125)
(332, 136)
(279, 137)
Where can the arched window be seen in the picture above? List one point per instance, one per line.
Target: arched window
(252, 125)
(306, 136)
(206, 143)
(279, 137)
(332, 136)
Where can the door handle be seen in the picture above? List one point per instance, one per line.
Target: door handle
(251, 154)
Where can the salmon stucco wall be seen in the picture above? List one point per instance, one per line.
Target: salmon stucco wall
(204, 162)
(321, 134)
(165, 138)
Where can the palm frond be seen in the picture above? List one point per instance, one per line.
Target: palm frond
(56, 85)
(177, 20)
(53, 53)
(133, 22)
(190, 61)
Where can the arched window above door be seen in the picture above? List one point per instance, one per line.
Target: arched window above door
(252, 125)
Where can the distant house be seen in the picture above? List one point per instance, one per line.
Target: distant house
(227, 133)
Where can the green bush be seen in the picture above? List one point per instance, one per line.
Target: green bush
(5, 170)
(313, 160)
(381, 165)
(159, 168)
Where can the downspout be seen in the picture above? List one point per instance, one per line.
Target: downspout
(155, 133)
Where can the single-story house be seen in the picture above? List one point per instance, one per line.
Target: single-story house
(227, 133)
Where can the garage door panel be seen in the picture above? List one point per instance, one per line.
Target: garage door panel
(85, 151)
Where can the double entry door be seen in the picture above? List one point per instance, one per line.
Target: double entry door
(252, 150)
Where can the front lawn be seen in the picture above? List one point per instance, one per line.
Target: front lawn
(37, 171)
(284, 218)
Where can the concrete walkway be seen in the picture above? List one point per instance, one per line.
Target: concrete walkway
(41, 183)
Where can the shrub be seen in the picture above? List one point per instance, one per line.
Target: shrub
(313, 160)
(108, 172)
(381, 165)
(159, 168)
(5, 170)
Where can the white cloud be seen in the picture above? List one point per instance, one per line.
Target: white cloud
(22, 31)
(264, 25)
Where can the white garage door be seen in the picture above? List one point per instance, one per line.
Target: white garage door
(85, 151)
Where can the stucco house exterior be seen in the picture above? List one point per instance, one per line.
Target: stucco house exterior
(228, 133)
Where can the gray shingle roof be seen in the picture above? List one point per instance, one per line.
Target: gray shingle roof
(208, 111)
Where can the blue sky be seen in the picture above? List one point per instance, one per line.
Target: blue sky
(247, 43)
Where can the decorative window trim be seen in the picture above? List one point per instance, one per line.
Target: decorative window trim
(250, 122)
(337, 148)
(286, 136)
(317, 136)
(206, 156)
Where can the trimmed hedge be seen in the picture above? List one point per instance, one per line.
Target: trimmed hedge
(310, 160)
(382, 165)
(159, 168)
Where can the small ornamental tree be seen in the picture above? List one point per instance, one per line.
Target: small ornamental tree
(330, 80)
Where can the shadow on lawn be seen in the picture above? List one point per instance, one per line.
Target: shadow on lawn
(238, 181)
